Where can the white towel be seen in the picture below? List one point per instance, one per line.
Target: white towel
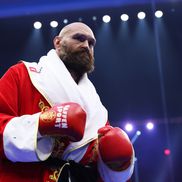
(54, 82)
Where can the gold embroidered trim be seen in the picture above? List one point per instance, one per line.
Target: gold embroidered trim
(60, 171)
(94, 152)
(54, 176)
(59, 147)
(77, 147)
(42, 106)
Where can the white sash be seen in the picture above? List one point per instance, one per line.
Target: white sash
(54, 82)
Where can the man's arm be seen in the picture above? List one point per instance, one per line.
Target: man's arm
(8, 102)
(18, 132)
(28, 137)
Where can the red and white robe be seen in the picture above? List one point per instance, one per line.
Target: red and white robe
(25, 90)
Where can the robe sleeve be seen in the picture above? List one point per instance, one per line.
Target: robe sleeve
(19, 138)
(109, 175)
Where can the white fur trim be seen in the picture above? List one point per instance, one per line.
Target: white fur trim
(76, 155)
(109, 175)
(44, 147)
(20, 140)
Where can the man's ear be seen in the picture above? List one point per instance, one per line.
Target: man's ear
(56, 42)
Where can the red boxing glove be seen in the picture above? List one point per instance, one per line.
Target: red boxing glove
(66, 119)
(115, 148)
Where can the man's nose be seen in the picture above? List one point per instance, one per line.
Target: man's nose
(85, 44)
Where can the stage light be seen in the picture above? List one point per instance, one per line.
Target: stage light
(150, 125)
(124, 17)
(80, 19)
(138, 133)
(54, 24)
(106, 18)
(94, 18)
(158, 14)
(141, 15)
(167, 152)
(65, 21)
(128, 127)
(37, 25)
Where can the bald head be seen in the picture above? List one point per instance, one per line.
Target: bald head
(74, 27)
(75, 47)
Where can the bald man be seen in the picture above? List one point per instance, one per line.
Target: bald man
(53, 125)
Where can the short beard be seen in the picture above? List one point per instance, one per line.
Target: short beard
(80, 61)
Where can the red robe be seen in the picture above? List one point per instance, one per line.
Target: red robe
(19, 97)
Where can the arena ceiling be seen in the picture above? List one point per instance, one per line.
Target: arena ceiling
(10, 8)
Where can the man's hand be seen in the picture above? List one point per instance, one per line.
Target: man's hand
(115, 148)
(66, 119)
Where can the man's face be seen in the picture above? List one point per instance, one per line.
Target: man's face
(77, 49)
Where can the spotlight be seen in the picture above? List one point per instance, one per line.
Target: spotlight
(106, 18)
(128, 127)
(65, 21)
(54, 24)
(167, 152)
(158, 14)
(141, 15)
(138, 133)
(124, 17)
(150, 125)
(37, 25)
(80, 19)
(94, 18)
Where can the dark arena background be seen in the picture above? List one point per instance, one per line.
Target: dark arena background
(138, 67)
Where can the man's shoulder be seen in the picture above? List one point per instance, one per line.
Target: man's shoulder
(16, 72)
(18, 68)
(19, 64)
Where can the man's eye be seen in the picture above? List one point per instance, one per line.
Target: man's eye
(81, 38)
(92, 43)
